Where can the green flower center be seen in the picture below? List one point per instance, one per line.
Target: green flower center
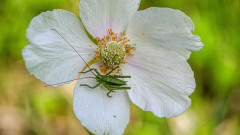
(113, 54)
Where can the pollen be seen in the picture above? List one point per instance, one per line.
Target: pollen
(113, 49)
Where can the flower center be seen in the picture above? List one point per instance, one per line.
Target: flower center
(113, 53)
(112, 50)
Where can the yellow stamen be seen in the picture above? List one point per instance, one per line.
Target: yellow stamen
(113, 37)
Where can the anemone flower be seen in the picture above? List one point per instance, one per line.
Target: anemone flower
(152, 46)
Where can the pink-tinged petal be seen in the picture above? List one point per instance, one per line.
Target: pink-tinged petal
(100, 15)
(99, 113)
(161, 81)
(48, 56)
(164, 27)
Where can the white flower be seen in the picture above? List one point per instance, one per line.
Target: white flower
(161, 79)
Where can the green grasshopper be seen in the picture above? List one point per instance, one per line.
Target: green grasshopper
(110, 82)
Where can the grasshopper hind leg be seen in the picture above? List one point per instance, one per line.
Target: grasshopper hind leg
(109, 93)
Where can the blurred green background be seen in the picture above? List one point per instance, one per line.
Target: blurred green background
(29, 108)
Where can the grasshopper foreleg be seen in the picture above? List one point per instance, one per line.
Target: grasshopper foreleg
(112, 70)
(93, 87)
(90, 70)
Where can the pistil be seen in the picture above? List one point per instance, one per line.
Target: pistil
(113, 53)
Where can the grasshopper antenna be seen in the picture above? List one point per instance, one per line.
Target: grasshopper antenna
(73, 49)
(66, 81)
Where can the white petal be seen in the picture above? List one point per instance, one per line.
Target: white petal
(100, 15)
(165, 27)
(99, 113)
(161, 81)
(48, 56)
